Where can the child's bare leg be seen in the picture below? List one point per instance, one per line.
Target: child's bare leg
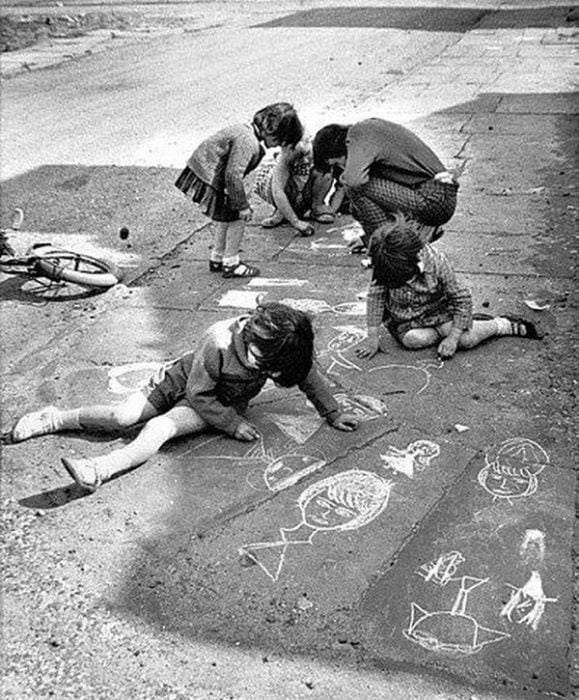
(233, 238)
(180, 420)
(232, 265)
(132, 410)
(418, 338)
(219, 237)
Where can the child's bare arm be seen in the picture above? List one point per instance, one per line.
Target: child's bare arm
(281, 175)
(316, 387)
(460, 303)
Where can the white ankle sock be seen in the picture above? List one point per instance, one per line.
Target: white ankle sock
(504, 326)
(110, 464)
(231, 262)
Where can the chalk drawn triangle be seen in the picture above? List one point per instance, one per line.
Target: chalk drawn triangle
(269, 556)
(298, 428)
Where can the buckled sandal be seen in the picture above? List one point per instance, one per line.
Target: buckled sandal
(240, 270)
(523, 328)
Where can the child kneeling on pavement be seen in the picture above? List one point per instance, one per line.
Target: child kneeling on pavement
(296, 190)
(414, 292)
(209, 388)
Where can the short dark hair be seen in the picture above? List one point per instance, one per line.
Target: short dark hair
(394, 249)
(329, 142)
(281, 121)
(284, 338)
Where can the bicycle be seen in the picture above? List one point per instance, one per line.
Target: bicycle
(57, 265)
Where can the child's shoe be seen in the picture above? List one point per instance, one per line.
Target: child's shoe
(522, 328)
(215, 266)
(41, 422)
(274, 220)
(240, 270)
(84, 472)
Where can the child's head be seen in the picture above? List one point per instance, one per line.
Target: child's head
(394, 249)
(278, 125)
(282, 340)
(330, 146)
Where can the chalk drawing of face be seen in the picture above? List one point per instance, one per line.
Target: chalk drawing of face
(344, 501)
(511, 470)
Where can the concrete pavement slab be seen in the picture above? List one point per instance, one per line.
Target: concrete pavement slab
(488, 569)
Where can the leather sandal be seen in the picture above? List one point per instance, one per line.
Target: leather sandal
(240, 270)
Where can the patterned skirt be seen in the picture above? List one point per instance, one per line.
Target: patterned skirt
(212, 202)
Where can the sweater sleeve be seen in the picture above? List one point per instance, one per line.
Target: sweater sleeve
(361, 155)
(376, 310)
(202, 389)
(315, 386)
(458, 296)
(240, 157)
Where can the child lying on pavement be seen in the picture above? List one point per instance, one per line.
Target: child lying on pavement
(209, 388)
(415, 293)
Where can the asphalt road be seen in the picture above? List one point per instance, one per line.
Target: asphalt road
(211, 572)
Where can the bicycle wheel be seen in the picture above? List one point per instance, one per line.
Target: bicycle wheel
(67, 266)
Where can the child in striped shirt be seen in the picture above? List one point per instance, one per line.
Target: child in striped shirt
(414, 292)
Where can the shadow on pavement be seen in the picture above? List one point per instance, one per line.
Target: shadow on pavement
(431, 19)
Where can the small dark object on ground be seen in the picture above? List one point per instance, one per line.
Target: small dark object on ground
(124, 233)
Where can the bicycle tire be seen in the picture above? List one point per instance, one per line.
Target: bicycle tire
(77, 268)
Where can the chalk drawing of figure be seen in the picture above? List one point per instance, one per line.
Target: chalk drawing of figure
(348, 337)
(443, 570)
(344, 501)
(125, 379)
(510, 471)
(532, 548)
(452, 631)
(417, 455)
(287, 470)
(363, 407)
(527, 604)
